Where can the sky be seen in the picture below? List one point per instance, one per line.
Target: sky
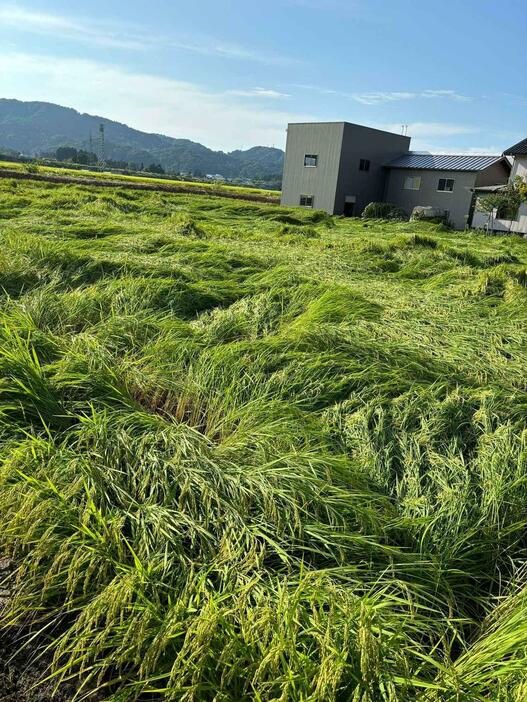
(232, 73)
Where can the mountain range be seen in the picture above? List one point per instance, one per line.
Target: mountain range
(39, 128)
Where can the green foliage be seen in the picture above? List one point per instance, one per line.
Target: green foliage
(383, 210)
(73, 155)
(256, 453)
(155, 168)
(31, 168)
(505, 203)
(521, 186)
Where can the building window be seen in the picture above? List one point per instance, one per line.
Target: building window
(412, 183)
(307, 200)
(310, 160)
(445, 185)
(364, 164)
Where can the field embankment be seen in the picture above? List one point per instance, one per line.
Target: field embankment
(252, 453)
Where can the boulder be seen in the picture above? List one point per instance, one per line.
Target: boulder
(429, 213)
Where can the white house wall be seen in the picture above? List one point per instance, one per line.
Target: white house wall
(515, 226)
(519, 167)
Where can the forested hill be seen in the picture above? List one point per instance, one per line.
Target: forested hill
(35, 128)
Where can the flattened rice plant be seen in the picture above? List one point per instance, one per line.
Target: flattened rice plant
(250, 453)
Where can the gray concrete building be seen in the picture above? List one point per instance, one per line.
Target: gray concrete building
(337, 166)
(341, 167)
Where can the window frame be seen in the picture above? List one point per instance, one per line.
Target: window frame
(312, 157)
(412, 178)
(364, 165)
(445, 189)
(305, 204)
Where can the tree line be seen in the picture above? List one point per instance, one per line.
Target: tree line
(70, 154)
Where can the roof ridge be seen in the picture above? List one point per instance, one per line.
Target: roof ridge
(430, 153)
(444, 162)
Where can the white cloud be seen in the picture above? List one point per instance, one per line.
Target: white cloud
(209, 46)
(379, 97)
(436, 129)
(449, 94)
(437, 138)
(259, 93)
(144, 101)
(66, 28)
(127, 36)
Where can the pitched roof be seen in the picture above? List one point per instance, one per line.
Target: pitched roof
(443, 162)
(519, 149)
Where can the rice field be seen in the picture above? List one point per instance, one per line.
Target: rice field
(213, 187)
(250, 453)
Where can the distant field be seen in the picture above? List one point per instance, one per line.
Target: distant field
(250, 453)
(74, 173)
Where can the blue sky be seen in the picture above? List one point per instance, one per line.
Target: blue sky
(232, 73)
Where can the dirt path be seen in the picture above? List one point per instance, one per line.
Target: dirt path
(132, 185)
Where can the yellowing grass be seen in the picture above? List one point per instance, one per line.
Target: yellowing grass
(107, 175)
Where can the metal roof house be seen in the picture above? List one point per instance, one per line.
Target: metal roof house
(446, 182)
(340, 167)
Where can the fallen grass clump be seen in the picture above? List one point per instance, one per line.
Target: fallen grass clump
(253, 453)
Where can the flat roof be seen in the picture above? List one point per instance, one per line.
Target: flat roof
(351, 124)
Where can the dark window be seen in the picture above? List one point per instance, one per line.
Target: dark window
(446, 185)
(307, 200)
(364, 164)
(310, 160)
(507, 211)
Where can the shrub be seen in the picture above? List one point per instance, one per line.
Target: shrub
(383, 210)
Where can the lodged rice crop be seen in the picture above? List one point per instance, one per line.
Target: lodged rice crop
(257, 453)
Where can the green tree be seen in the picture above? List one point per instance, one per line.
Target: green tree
(505, 203)
(66, 153)
(521, 186)
(155, 168)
